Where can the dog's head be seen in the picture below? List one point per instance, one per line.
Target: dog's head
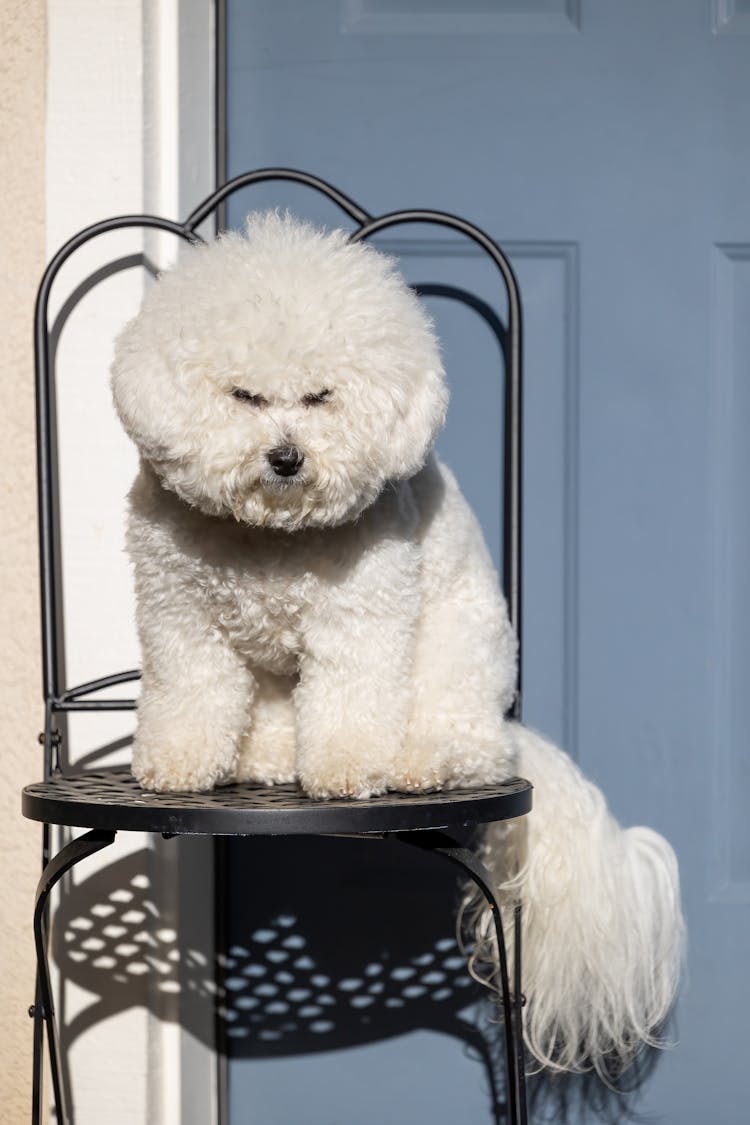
(282, 377)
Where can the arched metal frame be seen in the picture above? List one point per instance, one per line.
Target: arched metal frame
(59, 699)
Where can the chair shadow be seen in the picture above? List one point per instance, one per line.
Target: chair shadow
(331, 943)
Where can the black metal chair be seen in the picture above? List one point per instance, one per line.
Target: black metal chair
(108, 801)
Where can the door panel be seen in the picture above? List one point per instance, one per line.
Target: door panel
(605, 146)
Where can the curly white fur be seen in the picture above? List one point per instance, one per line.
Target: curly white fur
(342, 625)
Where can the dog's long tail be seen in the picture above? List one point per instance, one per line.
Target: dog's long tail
(602, 926)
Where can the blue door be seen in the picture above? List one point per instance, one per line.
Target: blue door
(605, 145)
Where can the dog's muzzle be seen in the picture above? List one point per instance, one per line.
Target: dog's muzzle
(285, 460)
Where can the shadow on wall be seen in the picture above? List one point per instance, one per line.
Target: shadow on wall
(333, 943)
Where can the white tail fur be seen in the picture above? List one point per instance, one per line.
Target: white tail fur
(602, 925)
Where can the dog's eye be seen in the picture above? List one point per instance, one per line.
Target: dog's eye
(247, 396)
(317, 397)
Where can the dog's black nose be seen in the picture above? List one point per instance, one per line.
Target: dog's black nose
(286, 460)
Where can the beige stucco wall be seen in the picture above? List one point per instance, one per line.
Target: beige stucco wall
(101, 113)
(22, 118)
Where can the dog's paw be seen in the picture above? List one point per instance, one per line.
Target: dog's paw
(347, 764)
(409, 780)
(352, 786)
(348, 779)
(422, 764)
(418, 775)
(451, 759)
(266, 773)
(184, 767)
(268, 757)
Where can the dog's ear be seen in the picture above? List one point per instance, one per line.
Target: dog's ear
(142, 388)
(418, 416)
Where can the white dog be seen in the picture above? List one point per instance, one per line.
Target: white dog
(315, 602)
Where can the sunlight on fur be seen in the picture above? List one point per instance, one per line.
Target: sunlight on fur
(315, 602)
(602, 932)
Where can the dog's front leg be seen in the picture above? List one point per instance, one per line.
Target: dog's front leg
(195, 697)
(354, 696)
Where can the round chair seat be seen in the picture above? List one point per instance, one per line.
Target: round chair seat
(113, 799)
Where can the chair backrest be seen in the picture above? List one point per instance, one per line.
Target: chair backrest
(59, 698)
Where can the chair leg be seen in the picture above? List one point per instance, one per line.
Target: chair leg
(440, 843)
(35, 1011)
(70, 855)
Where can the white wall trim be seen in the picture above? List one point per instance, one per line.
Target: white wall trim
(130, 128)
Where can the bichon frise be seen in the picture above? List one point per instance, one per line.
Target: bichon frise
(315, 602)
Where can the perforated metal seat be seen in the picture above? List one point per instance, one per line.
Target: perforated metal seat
(114, 799)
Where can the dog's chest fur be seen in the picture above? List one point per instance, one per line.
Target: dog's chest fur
(266, 589)
(264, 602)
